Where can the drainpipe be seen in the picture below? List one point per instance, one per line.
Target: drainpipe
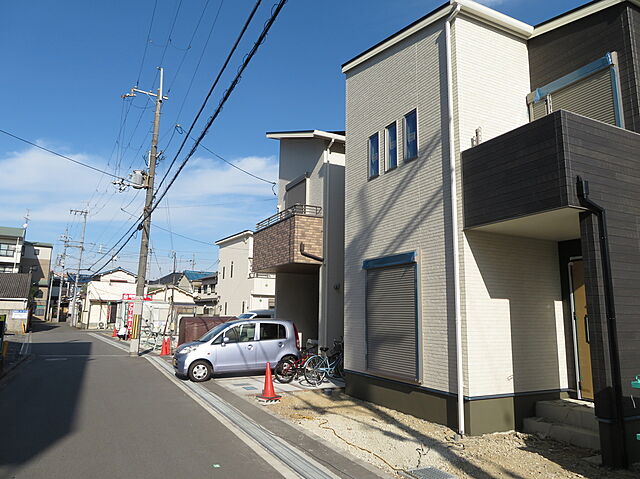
(612, 328)
(323, 289)
(454, 220)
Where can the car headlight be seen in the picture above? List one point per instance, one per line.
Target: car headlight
(188, 349)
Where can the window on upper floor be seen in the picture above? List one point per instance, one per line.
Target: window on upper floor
(223, 270)
(7, 249)
(6, 269)
(374, 156)
(231, 271)
(36, 251)
(410, 135)
(391, 145)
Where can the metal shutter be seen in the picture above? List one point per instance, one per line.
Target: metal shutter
(539, 109)
(591, 97)
(296, 195)
(392, 321)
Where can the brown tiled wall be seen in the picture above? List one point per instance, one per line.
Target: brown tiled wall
(279, 244)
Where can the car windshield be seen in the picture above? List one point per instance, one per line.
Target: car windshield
(209, 335)
(245, 316)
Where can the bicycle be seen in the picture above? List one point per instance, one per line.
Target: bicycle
(290, 368)
(319, 366)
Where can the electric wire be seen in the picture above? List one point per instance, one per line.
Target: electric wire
(213, 86)
(61, 155)
(268, 24)
(146, 45)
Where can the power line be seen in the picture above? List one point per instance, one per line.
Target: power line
(226, 95)
(213, 86)
(146, 45)
(62, 156)
(237, 167)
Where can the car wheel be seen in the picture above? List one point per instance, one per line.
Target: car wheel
(200, 371)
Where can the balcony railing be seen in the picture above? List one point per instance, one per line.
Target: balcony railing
(306, 210)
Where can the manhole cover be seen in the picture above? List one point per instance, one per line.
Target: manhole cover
(431, 473)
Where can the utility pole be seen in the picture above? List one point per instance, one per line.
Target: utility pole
(84, 214)
(146, 221)
(63, 258)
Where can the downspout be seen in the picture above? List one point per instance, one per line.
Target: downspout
(612, 328)
(324, 280)
(454, 220)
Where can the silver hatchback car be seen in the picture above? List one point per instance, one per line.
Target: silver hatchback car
(235, 346)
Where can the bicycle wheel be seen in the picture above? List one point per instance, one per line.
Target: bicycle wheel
(285, 370)
(338, 369)
(313, 370)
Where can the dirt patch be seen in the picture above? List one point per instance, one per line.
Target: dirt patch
(394, 441)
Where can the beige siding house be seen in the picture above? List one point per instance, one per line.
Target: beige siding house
(414, 278)
(239, 289)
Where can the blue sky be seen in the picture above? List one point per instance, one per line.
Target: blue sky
(67, 63)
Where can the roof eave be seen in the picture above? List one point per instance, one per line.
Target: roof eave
(468, 7)
(287, 135)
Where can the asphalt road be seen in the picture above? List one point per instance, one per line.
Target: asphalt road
(81, 408)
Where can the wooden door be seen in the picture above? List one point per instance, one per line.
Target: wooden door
(580, 319)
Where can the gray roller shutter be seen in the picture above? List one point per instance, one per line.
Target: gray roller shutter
(591, 97)
(392, 322)
(296, 194)
(539, 109)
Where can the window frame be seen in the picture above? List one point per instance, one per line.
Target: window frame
(387, 143)
(405, 136)
(370, 142)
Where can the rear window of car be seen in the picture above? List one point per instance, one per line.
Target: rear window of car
(272, 331)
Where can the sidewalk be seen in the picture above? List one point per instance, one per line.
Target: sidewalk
(18, 348)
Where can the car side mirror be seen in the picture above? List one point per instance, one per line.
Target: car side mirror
(225, 339)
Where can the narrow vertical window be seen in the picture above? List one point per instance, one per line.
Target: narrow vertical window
(391, 142)
(374, 156)
(225, 308)
(411, 135)
(231, 271)
(223, 272)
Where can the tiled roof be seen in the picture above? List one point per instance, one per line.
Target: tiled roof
(171, 278)
(13, 232)
(82, 278)
(14, 285)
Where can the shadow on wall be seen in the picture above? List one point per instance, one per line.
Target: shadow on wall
(523, 274)
(421, 187)
(43, 392)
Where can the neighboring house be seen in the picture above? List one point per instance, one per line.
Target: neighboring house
(36, 259)
(471, 259)
(14, 301)
(177, 303)
(187, 280)
(239, 289)
(303, 244)
(206, 296)
(11, 241)
(102, 294)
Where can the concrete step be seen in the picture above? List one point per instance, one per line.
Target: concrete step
(562, 432)
(571, 412)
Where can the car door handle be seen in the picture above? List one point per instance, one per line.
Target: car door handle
(249, 346)
(280, 344)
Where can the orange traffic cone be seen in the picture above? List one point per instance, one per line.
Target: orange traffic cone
(268, 394)
(115, 332)
(166, 347)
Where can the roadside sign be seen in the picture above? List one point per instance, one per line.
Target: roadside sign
(20, 314)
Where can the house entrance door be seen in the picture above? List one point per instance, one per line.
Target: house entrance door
(581, 329)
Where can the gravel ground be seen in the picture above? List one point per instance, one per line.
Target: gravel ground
(394, 441)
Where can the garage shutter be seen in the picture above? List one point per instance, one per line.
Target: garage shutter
(592, 97)
(392, 321)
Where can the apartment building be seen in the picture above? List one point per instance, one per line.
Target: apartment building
(11, 241)
(473, 248)
(36, 259)
(303, 244)
(239, 288)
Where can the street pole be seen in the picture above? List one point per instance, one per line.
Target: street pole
(65, 238)
(146, 222)
(84, 213)
(47, 311)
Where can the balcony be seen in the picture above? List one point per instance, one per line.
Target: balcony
(523, 182)
(280, 241)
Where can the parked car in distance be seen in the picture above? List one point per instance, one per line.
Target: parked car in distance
(237, 346)
(258, 313)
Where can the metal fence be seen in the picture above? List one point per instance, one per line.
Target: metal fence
(306, 210)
